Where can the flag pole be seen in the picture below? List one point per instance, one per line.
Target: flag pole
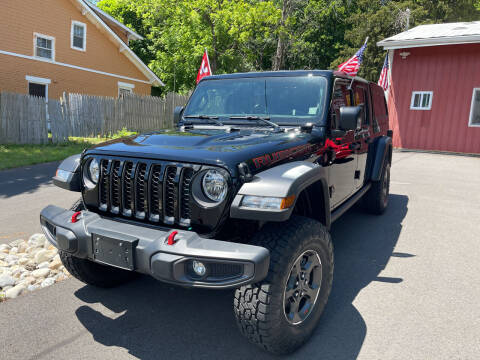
(208, 61)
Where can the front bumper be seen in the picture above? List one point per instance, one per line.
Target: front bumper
(228, 264)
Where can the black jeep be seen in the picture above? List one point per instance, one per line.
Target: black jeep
(241, 195)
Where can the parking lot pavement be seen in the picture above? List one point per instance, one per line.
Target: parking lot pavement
(406, 286)
(23, 193)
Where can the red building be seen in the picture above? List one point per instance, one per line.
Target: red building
(434, 94)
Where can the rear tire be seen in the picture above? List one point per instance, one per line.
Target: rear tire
(269, 313)
(376, 199)
(90, 272)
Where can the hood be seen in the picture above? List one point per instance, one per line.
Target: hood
(212, 146)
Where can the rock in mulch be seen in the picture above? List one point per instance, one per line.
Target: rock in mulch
(6, 280)
(14, 291)
(29, 265)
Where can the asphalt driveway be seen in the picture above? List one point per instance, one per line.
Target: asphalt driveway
(23, 193)
(406, 286)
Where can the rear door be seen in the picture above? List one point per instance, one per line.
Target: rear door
(363, 136)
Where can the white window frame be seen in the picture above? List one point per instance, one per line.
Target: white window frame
(125, 86)
(422, 94)
(40, 81)
(78, 23)
(35, 36)
(470, 124)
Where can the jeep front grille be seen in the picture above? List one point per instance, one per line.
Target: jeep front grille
(145, 190)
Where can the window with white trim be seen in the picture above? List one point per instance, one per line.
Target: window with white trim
(475, 109)
(125, 88)
(78, 35)
(38, 86)
(421, 100)
(44, 46)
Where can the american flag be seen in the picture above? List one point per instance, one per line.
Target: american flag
(352, 65)
(383, 81)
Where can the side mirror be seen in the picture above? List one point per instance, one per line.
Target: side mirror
(177, 114)
(350, 117)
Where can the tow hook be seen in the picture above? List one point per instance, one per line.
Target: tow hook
(171, 238)
(75, 216)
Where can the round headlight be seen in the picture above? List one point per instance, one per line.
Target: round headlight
(214, 185)
(94, 171)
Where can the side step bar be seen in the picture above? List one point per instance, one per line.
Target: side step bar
(349, 203)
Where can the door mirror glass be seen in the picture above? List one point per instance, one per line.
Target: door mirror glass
(351, 117)
(177, 114)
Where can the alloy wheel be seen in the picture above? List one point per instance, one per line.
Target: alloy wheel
(302, 287)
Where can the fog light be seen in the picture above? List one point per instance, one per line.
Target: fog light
(199, 268)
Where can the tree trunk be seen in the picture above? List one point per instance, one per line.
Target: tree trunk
(212, 57)
(279, 59)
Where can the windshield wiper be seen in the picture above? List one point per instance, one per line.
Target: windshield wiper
(213, 119)
(265, 119)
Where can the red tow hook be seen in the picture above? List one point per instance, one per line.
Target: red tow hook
(171, 238)
(75, 216)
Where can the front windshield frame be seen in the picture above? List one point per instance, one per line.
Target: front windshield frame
(280, 119)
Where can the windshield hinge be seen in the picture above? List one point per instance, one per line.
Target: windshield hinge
(306, 128)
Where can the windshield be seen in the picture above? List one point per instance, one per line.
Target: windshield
(285, 100)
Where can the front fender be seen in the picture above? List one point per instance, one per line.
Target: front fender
(281, 181)
(68, 175)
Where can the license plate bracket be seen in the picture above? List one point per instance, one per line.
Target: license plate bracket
(113, 251)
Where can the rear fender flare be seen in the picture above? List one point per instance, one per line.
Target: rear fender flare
(383, 151)
(281, 181)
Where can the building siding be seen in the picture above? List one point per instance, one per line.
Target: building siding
(20, 19)
(12, 79)
(452, 73)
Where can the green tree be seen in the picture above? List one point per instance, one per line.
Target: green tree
(381, 19)
(239, 35)
(254, 35)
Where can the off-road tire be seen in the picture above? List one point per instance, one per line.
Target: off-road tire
(259, 308)
(92, 273)
(376, 199)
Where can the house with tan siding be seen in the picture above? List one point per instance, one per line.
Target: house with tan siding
(51, 46)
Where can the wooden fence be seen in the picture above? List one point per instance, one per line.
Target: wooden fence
(24, 119)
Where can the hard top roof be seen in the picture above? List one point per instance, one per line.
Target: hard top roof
(284, 73)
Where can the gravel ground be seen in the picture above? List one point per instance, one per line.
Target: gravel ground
(28, 266)
(406, 286)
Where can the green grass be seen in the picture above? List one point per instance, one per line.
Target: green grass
(12, 156)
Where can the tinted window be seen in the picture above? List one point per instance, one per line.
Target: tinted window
(341, 97)
(296, 99)
(360, 96)
(380, 113)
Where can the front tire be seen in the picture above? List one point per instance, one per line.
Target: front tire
(90, 272)
(280, 313)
